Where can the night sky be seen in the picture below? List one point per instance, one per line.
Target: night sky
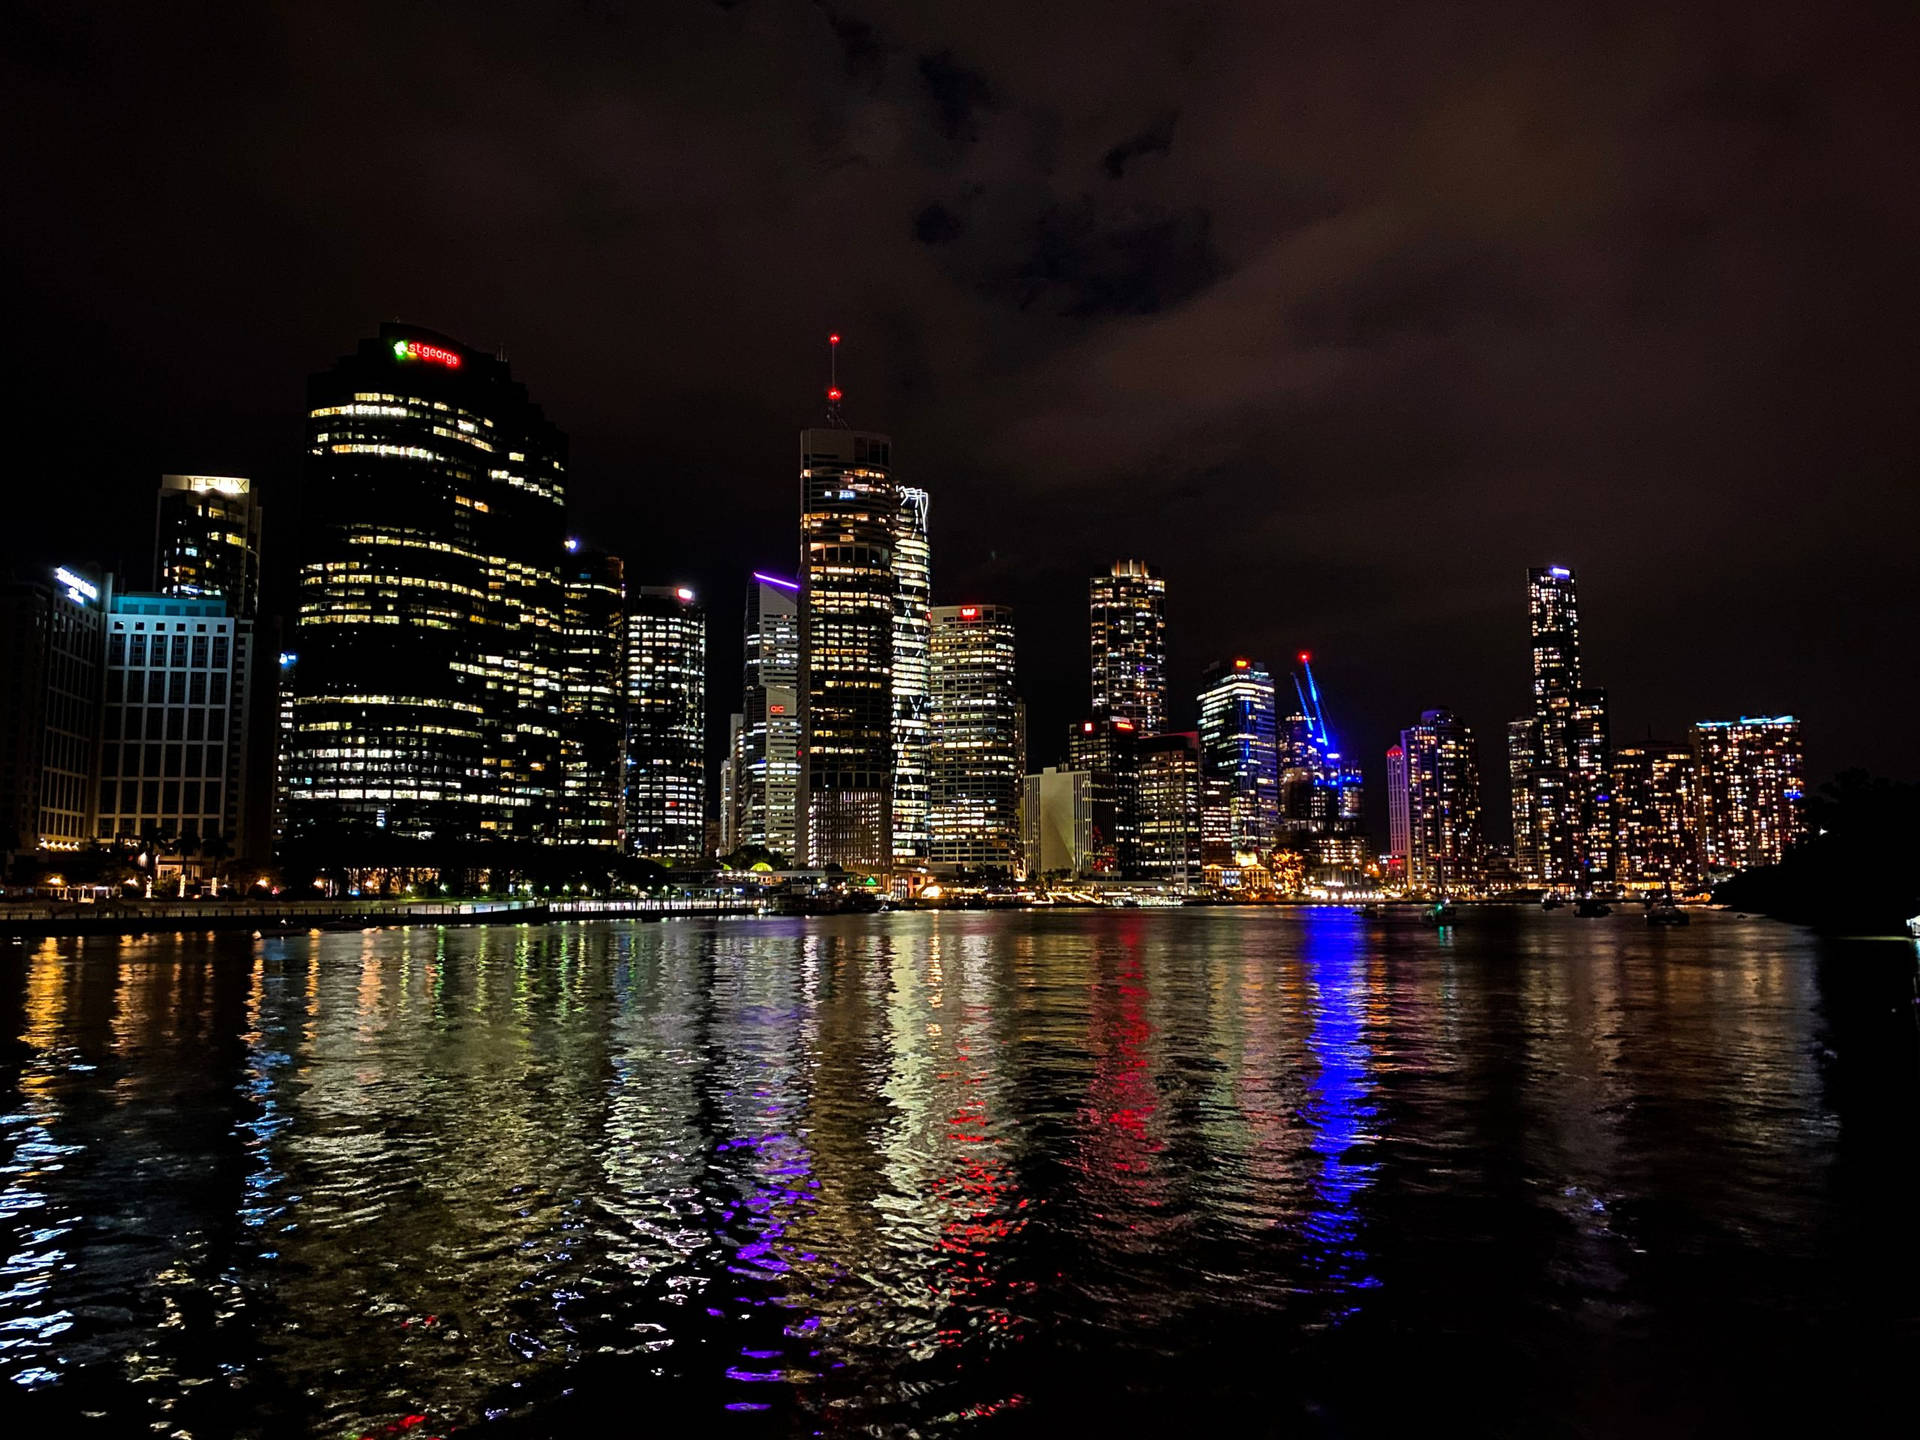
(1342, 314)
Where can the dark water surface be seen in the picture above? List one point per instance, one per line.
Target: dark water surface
(1226, 1171)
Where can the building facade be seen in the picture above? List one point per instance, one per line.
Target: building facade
(912, 684)
(1399, 815)
(975, 765)
(207, 541)
(429, 600)
(1166, 808)
(592, 732)
(1239, 760)
(1128, 645)
(1444, 845)
(1057, 824)
(664, 670)
(1557, 800)
(850, 507)
(1654, 806)
(768, 781)
(1751, 778)
(53, 657)
(173, 748)
(1104, 749)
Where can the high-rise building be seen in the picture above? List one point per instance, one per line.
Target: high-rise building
(1320, 796)
(912, 694)
(1563, 767)
(1166, 808)
(975, 767)
(1128, 642)
(730, 771)
(766, 800)
(207, 541)
(173, 751)
(1399, 814)
(1653, 804)
(1104, 749)
(1444, 846)
(848, 516)
(1589, 797)
(1751, 779)
(1523, 755)
(1239, 754)
(592, 732)
(52, 655)
(1057, 824)
(429, 599)
(665, 677)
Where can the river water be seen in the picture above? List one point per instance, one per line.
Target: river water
(1233, 1171)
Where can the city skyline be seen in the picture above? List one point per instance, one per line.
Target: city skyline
(405, 556)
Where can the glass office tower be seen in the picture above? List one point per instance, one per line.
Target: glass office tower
(665, 678)
(849, 513)
(429, 602)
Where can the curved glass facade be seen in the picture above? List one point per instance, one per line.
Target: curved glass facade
(430, 606)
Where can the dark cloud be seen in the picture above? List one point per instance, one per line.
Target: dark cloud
(937, 225)
(957, 94)
(1086, 264)
(860, 44)
(1156, 139)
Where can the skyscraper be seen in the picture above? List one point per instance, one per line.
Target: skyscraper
(1399, 814)
(1128, 643)
(1523, 758)
(665, 676)
(1166, 807)
(1752, 788)
(1057, 824)
(53, 658)
(1239, 754)
(592, 734)
(1654, 808)
(207, 541)
(1104, 749)
(849, 511)
(1444, 848)
(912, 699)
(769, 752)
(1563, 763)
(429, 599)
(975, 766)
(173, 753)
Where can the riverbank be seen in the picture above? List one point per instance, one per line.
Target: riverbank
(147, 917)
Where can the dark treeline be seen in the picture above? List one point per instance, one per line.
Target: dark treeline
(1858, 870)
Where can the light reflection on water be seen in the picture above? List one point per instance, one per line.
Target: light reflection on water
(914, 1172)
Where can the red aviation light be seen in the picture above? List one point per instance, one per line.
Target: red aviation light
(1306, 656)
(833, 393)
(833, 339)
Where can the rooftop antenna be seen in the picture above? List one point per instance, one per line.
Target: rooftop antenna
(833, 380)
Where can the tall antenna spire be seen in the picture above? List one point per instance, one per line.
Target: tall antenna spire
(833, 379)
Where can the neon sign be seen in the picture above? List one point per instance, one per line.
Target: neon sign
(420, 350)
(969, 612)
(81, 592)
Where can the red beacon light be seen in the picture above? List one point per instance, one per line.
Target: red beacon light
(833, 393)
(1306, 656)
(833, 339)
